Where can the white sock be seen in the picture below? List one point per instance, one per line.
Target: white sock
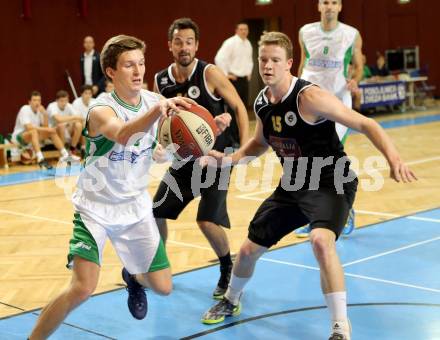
(64, 152)
(236, 285)
(337, 305)
(40, 156)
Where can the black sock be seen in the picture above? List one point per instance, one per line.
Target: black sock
(225, 261)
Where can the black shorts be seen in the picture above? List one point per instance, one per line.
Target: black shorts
(285, 211)
(179, 187)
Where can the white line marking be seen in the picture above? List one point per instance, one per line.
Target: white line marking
(289, 263)
(392, 251)
(395, 283)
(34, 216)
(376, 213)
(71, 224)
(425, 219)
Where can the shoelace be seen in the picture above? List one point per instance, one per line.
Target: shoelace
(137, 292)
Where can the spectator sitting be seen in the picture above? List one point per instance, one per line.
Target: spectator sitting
(109, 87)
(65, 119)
(31, 127)
(82, 105)
(380, 70)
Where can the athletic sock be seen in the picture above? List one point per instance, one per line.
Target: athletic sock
(64, 152)
(40, 156)
(235, 288)
(225, 261)
(337, 305)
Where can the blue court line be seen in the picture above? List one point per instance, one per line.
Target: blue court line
(38, 175)
(283, 301)
(41, 175)
(395, 123)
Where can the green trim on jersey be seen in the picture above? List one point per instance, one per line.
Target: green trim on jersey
(126, 105)
(82, 243)
(347, 60)
(328, 32)
(102, 146)
(160, 260)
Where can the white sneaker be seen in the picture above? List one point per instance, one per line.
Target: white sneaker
(70, 159)
(341, 330)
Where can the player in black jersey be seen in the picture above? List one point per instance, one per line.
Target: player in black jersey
(209, 87)
(296, 118)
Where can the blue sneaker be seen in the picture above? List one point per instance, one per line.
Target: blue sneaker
(349, 226)
(137, 299)
(303, 231)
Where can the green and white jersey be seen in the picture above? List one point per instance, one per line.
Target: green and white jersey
(112, 186)
(328, 55)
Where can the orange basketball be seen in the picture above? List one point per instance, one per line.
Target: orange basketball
(193, 132)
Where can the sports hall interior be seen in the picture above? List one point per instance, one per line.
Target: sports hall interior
(42, 39)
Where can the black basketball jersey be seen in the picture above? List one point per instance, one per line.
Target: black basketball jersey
(293, 138)
(195, 88)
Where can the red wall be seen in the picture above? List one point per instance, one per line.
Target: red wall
(36, 51)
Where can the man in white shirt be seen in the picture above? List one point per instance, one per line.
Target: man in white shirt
(91, 72)
(31, 127)
(67, 121)
(234, 58)
(109, 87)
(82, 105)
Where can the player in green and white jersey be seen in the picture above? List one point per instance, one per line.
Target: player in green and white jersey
(111, 200)
(327, 49)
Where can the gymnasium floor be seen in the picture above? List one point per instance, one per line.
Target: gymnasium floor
(391, 265)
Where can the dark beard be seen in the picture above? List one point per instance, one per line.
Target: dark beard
(185, 63)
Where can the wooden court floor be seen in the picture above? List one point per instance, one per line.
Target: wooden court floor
(35, 224)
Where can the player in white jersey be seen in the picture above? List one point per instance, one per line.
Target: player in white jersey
(82, 105)
(327, 48)
(111, 200)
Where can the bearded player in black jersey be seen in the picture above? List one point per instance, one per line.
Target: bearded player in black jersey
(209, 87)
(297, 119)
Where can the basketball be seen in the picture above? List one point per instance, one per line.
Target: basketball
(193, 132)
(27, 156)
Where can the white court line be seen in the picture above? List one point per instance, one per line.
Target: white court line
(263, 258)
(376, 213)
(395, 283)
(392, 251)
(71, 224)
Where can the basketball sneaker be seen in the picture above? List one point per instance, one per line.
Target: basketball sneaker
(303, 231)
(44, 165)
(69, 159)
(137, 299)
(349, 225)
(223, 282)
(340, 331)
(218, 312)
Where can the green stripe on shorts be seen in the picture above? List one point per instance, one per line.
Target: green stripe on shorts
(21, 140)
(160, 260)
(82, 243)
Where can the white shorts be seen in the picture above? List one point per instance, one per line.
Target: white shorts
(136, 244)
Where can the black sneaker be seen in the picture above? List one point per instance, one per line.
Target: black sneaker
(337, 336)
(218, 312)
(44, 165)
(223, 282)
(137, 299)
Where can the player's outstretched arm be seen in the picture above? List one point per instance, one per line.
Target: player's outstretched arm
(315, 102)
(103, 120)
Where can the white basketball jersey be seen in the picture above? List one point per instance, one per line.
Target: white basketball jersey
(112, 186)
(328, 55)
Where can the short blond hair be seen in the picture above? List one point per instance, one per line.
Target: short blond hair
(115, 46)
(279, 39)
